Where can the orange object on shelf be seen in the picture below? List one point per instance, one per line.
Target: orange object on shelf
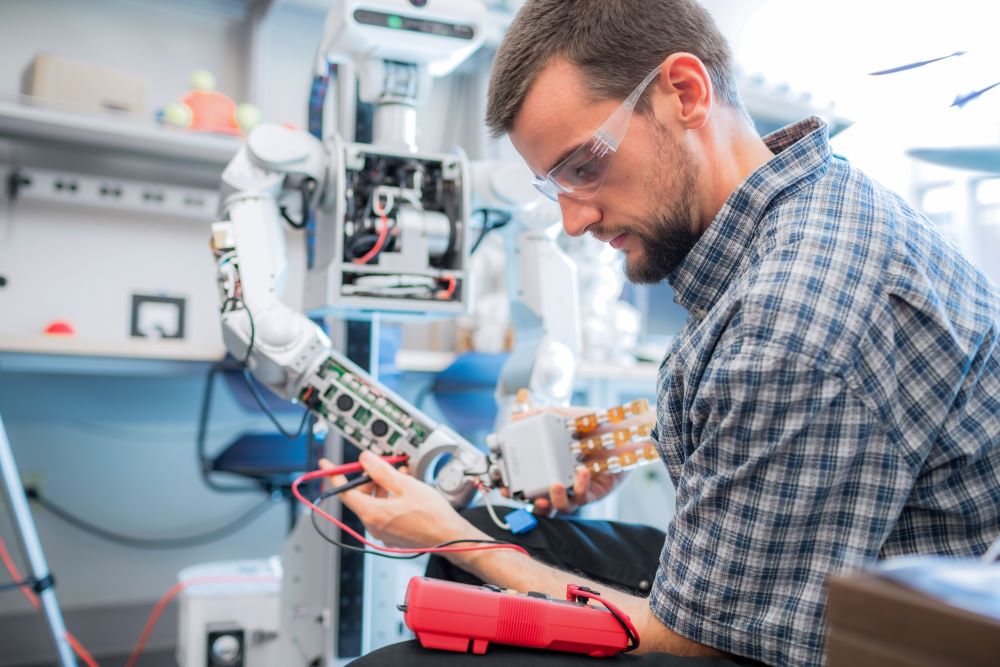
(212, 111)
(205, 109)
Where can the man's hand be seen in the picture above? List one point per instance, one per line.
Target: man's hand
(401, 510)
(586, 489)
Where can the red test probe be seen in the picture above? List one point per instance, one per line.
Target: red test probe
(348, 468)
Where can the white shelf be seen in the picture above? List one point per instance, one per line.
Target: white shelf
(120, 135)
(165, 350)
(425, 361)
(641, 371)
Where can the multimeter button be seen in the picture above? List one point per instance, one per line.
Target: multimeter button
(536, 594)
(491, 587)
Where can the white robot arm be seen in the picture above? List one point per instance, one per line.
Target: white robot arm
(288, 352)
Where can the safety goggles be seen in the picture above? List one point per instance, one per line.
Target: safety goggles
(581, 174)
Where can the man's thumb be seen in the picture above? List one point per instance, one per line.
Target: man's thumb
(382, 473)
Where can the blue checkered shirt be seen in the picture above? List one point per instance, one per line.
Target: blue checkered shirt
(834, 398)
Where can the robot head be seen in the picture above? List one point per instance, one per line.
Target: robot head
(437, 35)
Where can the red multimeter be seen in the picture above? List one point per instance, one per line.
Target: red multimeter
(449, 616)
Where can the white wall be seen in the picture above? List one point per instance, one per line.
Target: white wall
(161, 41)
(285, 50)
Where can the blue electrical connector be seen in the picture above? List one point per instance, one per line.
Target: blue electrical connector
(520, 521)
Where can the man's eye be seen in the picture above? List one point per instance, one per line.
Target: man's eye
(585, 172)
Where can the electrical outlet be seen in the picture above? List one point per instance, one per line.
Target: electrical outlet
(158, 316)
(117, 193)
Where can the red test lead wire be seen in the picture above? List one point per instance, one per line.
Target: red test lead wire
(30, 596)
(167, 597)
(348, 468)
(575, 591)
(383, 233)
(345, 469)
(450, 290)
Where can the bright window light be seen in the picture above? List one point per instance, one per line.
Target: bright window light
(988, 192)
(939, 200)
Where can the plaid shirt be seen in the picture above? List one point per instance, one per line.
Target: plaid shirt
(833, 398)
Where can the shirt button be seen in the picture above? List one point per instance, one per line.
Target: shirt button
(644, 585)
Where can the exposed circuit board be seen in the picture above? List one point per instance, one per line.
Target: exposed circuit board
(361, 411)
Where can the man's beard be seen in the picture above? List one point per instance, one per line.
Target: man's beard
(669, 237)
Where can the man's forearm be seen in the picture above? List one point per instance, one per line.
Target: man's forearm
(512, 569)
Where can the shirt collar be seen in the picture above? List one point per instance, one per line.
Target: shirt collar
(800, 151)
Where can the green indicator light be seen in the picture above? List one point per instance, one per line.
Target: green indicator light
(394, 22)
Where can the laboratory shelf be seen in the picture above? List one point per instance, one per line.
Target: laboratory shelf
(426, 361)
(52, 354)
(21, 120)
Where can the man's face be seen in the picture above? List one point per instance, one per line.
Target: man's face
(647, 206)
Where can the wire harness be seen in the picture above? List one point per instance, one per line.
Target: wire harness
(348, 468)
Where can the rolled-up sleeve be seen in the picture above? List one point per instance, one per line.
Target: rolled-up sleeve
(789, 477)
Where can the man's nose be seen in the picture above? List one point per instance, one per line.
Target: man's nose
(578, 215)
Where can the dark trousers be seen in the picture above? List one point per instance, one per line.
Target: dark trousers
(619, 555)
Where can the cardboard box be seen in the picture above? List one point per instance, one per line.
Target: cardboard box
(84, 87)
(875, 622)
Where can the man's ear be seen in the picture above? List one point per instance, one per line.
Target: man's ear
(686, 81)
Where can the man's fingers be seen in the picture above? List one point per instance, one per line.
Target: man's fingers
(382, 473)
(542, 506)
(581, 484)
(340, 480)
(560, 498)
(358, 501)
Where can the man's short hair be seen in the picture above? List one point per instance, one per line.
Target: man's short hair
(614, 42)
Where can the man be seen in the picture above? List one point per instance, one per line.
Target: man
(834, 397)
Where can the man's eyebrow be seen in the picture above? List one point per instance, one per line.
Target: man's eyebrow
(562, 157)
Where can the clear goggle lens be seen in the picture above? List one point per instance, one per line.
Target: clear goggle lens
(581, 174)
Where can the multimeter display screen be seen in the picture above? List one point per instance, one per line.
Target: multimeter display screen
(410, 24)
